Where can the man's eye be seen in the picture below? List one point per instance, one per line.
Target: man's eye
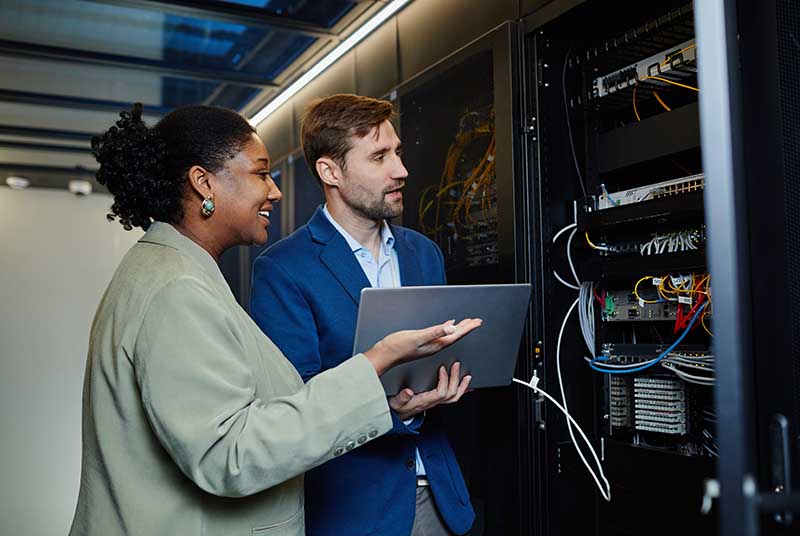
(379, 157)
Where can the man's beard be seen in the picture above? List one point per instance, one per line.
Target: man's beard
(375, 210)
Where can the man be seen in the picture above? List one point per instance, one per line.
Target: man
(306, 290)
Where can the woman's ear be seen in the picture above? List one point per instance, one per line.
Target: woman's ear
(329, 171)
(200, 181)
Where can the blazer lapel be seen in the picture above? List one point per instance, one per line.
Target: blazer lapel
(337, 256)
(410, 269)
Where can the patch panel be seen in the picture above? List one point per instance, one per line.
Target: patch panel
(660, 405)
(620, 402)
(658, 243)
(659, 190)
(678, 61)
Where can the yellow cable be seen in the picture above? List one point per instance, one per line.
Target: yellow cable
(663, 291)
(591, 244)
(633, 96)
(661, 102)
(667, 81)
(681, 51)
(636, 290)
(703, 322)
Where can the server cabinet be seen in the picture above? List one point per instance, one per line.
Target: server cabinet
(459, 122)
(615, 158)
(636, 162)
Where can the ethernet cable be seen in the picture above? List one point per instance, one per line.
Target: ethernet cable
(586, 315)
(569, 256)
(608, 196)
(604, 491)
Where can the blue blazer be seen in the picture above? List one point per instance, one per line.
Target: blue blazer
(305, 295)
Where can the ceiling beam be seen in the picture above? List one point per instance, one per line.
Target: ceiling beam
(61, 101)
(31, 132)
(32, 168)
(227, 12)
(87, 57)
(25, 145)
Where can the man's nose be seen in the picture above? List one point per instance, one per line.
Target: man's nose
(400, 172)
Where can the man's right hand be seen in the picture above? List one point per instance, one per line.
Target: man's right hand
(449, 390)
(409, 345)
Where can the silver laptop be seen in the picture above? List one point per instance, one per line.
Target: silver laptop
(489, 353)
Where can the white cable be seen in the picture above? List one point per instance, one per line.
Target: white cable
(562, 231)
(569, 256)
(564, 400)
(586, 315)
(691, 362)
(703, 357)
(702, 380)
(560, 280)
(605, 492)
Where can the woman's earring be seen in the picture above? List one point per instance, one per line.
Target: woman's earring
(207, 207)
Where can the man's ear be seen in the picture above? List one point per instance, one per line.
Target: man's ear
(200, 181)
(329, 171)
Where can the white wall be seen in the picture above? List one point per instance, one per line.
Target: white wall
(57, 254)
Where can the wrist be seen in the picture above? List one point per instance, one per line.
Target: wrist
(379, 358)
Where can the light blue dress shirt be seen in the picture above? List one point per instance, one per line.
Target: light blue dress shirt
(385, 273)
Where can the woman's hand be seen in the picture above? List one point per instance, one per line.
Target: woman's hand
(409, 345)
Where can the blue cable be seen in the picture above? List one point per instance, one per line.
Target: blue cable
(603, 187)
(659, 358)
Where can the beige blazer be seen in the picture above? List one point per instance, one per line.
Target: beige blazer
(193, 421)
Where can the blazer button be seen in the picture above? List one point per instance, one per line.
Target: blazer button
(362, 439)
(373, 433)
(338, 452)
(350, 445)
(411, 464)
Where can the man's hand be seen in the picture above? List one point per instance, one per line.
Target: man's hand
(449, 390)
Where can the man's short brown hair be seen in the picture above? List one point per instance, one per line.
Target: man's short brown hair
(330, 122)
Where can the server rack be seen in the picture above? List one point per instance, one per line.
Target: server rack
(682, 204)
(459, 122)
(617, 157)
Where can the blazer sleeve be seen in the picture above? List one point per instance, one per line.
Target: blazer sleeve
(282, 312)
(198, 390)
(284, 315)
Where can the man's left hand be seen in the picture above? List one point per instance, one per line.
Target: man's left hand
(406, 403)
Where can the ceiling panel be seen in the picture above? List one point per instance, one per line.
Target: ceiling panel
(71, 66)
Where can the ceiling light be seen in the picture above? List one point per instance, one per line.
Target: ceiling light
(17, 183)
(328, 60)
(80, 187)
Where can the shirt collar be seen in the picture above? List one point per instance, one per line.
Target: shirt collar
(387, 238)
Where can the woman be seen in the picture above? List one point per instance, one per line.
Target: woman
(194, 423)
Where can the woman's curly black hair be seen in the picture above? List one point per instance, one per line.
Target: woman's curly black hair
(145, 168)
